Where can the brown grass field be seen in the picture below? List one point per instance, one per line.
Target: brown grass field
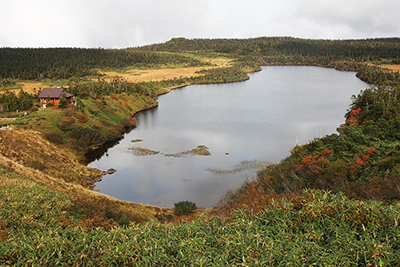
(393, 68)
(147, 75)
(138, 75)
(28, 87)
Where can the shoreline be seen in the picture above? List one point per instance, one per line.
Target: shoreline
(102, 150)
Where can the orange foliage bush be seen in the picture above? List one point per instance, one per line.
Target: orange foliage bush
(3, 235)
(254, 197)
(97, 126)
(354, 116)
(314, 164)
(365, 158)
(82, 118)
(65, 123)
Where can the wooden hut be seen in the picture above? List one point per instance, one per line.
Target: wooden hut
(53, 95)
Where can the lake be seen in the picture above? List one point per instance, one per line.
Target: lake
(244, 125)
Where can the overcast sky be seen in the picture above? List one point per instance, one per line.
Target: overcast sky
(128, 23)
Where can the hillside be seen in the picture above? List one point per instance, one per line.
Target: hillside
(334, 201)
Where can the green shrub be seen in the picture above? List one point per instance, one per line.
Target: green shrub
(35, 164)
(54, 137)
(185, 208)
(63, 103)
(85, 137)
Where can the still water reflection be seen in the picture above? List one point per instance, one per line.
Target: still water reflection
(243, 124)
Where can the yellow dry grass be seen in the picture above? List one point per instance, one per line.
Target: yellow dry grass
(393, 68)
(147, 75)
(138, 75)
(28, 87)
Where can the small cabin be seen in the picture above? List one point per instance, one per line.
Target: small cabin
(53, 95)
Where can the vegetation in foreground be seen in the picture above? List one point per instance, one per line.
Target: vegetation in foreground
(45, 202)
(331, 202)
(308, 228)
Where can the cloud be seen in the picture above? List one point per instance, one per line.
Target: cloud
(347, 19)
(105, 23)
(125, 23)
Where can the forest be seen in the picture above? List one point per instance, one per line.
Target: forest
(65, 63)
(288, 49)
(333, 201)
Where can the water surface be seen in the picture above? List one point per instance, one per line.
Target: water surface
(243, 124)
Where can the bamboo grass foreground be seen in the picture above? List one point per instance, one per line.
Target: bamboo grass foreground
(315, 228)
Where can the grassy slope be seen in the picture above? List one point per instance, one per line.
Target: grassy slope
(25, 151)
(28, 148)
(346, 233)
(25, 142)
(62, 174)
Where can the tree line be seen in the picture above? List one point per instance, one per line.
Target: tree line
(270, 49)
(64, 63)
(11, 102)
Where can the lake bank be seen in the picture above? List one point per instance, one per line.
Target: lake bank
(41, 118)
(227, 159)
